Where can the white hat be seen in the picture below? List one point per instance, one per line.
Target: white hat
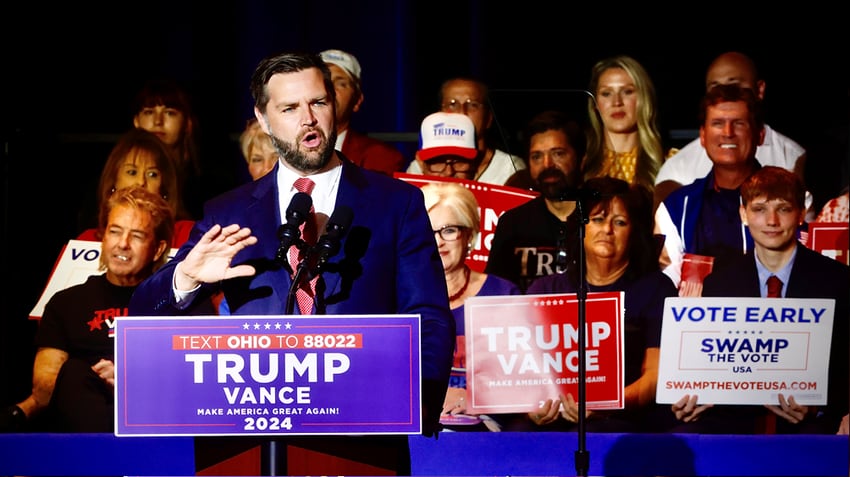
(344, 60)
(447, 134)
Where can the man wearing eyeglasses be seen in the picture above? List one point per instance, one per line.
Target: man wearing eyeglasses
(469, 97)
(447, 146)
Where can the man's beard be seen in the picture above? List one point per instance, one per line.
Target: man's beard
(310, 161)
(552, 183)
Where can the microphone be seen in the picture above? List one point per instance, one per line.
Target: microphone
(328, 245)
(290, 232)
(582, 194)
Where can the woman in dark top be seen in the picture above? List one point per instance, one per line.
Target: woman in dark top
(620, 255)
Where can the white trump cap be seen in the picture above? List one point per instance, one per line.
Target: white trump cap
(447, 134)
(344, 60)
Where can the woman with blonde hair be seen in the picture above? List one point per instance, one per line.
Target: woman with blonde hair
(257, 149)
(624, 140)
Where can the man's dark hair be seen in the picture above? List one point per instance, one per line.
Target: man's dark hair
(637, 199)
(733, 93)
(552, 120)
(287, 63)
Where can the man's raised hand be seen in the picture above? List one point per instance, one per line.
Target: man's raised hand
(209, 260)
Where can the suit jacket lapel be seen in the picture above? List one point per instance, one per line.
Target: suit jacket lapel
(798, 283)
(350, 182)
(264, 224)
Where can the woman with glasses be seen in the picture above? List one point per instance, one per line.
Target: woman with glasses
(620, 255)
(455, 219)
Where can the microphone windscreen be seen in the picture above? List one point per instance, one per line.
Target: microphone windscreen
(341, 217)
(300, 204)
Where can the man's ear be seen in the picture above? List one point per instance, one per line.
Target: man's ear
(360, 97)
(760, 87)
(742, 211)
(160, 249)
(761, 136)
(262, 120)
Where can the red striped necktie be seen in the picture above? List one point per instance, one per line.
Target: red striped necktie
(306, 291)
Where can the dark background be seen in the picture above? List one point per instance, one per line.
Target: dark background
(71, 69)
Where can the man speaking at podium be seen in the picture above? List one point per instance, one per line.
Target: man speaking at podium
(377, 254)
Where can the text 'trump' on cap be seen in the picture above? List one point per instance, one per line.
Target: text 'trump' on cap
(447, 134)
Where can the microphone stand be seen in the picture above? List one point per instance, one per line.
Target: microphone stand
(293, 287)
(297, 278)
(580, 196)
(582, 456)
(312, 263)
(275, 458)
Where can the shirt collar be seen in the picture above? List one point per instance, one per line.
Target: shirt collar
(324, 193)
(783, 273)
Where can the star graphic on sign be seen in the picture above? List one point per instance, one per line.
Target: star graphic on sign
(256, 326)
(95, 323)
(277, 326)
(288, 325)
(267, 326)
(246, 326)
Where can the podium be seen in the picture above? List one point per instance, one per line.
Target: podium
(340, 391)
(459, 453)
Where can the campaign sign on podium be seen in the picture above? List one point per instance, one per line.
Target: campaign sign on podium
(267, 375)
(523, 349)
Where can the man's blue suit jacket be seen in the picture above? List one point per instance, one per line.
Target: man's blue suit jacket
(387, 264)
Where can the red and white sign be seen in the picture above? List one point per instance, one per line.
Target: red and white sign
(830, 239)
(522, 350)
(493, 201)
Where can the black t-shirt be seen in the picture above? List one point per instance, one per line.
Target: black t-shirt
(529, 242)
(80, 320)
